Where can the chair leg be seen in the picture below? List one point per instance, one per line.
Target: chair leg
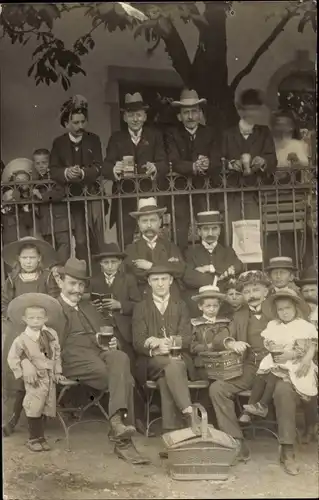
(149, 398)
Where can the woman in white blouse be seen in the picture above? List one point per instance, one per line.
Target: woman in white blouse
(291, 151)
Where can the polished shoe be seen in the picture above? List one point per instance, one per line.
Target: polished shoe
(258, 409)
(120, 430)
(288, 460)
(243, 453)
(128, 452)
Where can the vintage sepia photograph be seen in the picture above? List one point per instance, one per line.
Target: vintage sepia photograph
(159, 250)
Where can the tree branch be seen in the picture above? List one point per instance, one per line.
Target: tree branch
(264, 47)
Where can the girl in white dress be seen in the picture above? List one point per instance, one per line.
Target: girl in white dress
(291, 151)
(288, 333)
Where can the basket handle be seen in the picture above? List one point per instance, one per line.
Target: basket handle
(197, 407)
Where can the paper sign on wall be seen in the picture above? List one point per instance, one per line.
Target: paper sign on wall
(246, 240)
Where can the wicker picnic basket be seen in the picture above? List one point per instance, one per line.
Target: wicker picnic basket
(201, 452)
(222, 365)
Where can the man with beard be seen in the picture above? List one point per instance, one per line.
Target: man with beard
(208, 258)
(99, 367)
(76, 160)
(135, 151)
(190, 150)
(244, 337)
(152, 248)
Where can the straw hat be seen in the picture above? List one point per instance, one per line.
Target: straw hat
(188, 98)
(109, 250)
(147, 206)
(76, 269)
(17, 307)
(210, 217)
(18, 165)
(134, 102)
(281, 263)
(209, 292)
(12, 250)
(288, 293)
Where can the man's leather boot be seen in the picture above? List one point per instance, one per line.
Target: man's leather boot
(243, 454)
(120, 430)
(287, 459)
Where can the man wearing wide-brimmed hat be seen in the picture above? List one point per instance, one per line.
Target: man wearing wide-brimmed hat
(192, 153)
(151, 248)
(209, 258)
(139, 149)
(155, 320)
(76, 160)
(84, 360)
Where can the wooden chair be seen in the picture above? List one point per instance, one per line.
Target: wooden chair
(151, 387)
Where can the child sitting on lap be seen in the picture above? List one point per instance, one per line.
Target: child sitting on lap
(288, 334)
(35, 357)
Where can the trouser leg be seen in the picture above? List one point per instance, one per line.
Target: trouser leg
(182, 220)
(176, 378)
(285, 400)
(171, 414)
(222, 395)
(63, 247)
(120, 382)
(270, 385)
(36, 427)
(311, 412)
(258, 389)
(80, 235)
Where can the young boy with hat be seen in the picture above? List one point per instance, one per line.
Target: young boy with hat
(209, 328)
(209, 258)
(281, 273)
(137, 150)
(57, 225)
(37, 345)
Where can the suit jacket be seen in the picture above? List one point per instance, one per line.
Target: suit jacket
(183, 152)
(125, 290)
(59, 210)
(164, 250)
(259, 143)
(221, 258)
(61, 157)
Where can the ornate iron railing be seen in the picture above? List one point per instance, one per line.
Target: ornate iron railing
(284, 203)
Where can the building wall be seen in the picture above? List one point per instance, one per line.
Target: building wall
(30, 113)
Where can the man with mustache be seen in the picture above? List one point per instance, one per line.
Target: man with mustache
(244, 336)
(208, 258)
(85, 361)
(76, 160)
(192, 152)
(151, 247)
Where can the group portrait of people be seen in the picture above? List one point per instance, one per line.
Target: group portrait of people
(158, 310)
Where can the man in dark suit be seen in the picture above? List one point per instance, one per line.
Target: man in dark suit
(139, 150)
(249, 151)
(192, 153)
(208, 258)
(99, 367)
(76, 160)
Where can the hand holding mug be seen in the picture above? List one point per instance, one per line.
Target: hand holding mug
(118, 170)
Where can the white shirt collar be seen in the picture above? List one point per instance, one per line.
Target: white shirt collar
(109, 278)
(136, 137)
(191, 131)
(161, 302)
(69, 302)
(29, 276)
(76, 140)
(209, 248)
(151, 243)
(209, 320)
(32, 334)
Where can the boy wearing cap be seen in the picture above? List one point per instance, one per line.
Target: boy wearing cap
(151, 248)
(104, 368)
(38, 346)
(209, 258)
(140, 148)
(209, 328)
(76, 161)
(57, 225)
(281, 273)
(155, 320)
(191, 151)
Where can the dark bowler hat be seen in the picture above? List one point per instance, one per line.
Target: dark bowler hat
(308, 277)
(109, 250)
(211, 217)
(134, 102)
(76, 269)
(161, 269)
(280, 263)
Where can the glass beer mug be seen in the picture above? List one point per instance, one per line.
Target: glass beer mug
(104, 336)
(176, 347)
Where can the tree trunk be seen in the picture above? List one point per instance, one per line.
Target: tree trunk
(209, 69)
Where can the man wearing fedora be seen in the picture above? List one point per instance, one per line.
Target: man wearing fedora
(209, 258)
(84, 360)
(76, 161)
(244, 337)
(151, 248)
(137, 150)
(191, 151)
(155, 320)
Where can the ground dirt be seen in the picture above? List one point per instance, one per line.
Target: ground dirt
(92, 471)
